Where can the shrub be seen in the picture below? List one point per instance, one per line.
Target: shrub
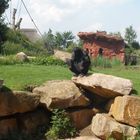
(49, 60)
(10, 60)
(61, 126)
(11, 48)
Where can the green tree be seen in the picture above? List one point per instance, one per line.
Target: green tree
(130, 35)
(3, 28)
(49, 38)
(64, 39)
(3, 5)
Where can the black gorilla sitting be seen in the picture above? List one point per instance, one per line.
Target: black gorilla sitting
(80, 61)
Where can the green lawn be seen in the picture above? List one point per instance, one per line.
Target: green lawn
(17, 76)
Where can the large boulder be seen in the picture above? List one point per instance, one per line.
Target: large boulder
(62, 55)
(61, 94)
(107, 86)
(17, 102)
(7, 125)
(32, 122)
(22, 56)
(82, 118)
(104, 127)
(126, 109)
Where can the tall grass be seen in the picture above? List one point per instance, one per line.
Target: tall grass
(105, 62)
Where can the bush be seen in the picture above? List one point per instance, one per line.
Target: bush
(61, 126)
(11, 48)
(17, 42)
(49, 60)
(10, 60)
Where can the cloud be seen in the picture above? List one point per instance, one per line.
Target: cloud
(138, 34)
(94, 27)
(93, 3)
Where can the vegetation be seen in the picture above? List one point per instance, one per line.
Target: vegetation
(19, 76)
(105, 62)
(61, 126)
(29, 74)
(44, 60)
(3, 27)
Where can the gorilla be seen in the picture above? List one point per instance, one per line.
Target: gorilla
(79, 62)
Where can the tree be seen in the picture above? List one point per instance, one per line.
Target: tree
(64, 39)
(3, 27)
(49, 38)
(3, 5)
(130, 35)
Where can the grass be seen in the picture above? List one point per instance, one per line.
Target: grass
(18, 76)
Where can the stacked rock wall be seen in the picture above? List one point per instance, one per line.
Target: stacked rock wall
(100, 101)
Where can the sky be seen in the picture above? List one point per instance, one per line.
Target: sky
(79, 15)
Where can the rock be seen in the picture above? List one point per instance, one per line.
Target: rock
(107, 86)
(86, 131)
(108, 105)
(62, 55)
(104, 126)
(85, 138)
(33, 121)
(22, 56)
(1, 83)
(7, 125)
(61, 94)
(82, 117)
(17, 102)
(126, 109)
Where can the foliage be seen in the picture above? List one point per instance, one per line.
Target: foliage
(50, 60)
(104, 62)
(18, 42)
(9, 48)
(135, 45)
(64, 39)
(130, 35)
(3, 6)
(3, 28)
(49, 39)
(10, 60)
(58, 40)
(40, 60)
(61, 126)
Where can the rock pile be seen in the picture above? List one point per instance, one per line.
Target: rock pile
(101, 101)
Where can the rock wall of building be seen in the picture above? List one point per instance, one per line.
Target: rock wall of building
(110, 49)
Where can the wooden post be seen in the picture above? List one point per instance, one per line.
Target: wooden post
(17, 26)
(14, 14)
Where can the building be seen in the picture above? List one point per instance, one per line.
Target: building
(31, 34)
(102, 44)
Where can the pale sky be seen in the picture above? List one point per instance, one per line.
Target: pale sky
(80, 15)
